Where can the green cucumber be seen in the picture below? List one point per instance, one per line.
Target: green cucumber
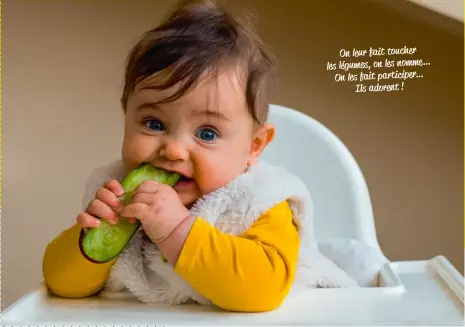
(107, 241)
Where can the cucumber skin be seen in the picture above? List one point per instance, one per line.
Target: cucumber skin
(107, 241)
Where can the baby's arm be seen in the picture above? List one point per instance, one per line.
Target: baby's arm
(67, 273)
(249, 273)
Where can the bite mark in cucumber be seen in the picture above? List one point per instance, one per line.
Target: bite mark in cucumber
(107, 241)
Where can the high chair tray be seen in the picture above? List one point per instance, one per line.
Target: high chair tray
(415, 293)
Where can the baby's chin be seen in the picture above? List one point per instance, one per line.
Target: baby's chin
(188, 192)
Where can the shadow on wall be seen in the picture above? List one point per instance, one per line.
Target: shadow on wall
(63, 67)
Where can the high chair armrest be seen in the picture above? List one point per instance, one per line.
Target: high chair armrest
(359, 260)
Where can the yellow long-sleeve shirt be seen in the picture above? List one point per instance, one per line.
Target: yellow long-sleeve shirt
(249, 273)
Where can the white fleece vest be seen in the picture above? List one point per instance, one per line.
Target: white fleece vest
(141, 273)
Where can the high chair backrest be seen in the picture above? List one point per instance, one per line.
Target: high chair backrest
(342, 205)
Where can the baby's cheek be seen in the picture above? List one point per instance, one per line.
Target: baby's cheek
(213, 175)
(213, 182)
(135, 151)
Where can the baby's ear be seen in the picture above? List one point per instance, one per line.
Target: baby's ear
(263, 136)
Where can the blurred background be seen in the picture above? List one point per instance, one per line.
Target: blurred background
(63, 66)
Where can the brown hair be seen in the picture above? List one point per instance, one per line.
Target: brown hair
(199, 37)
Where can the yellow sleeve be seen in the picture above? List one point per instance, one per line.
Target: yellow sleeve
(249, 273)
(67, 272)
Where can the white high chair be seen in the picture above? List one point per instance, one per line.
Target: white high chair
(426, 292)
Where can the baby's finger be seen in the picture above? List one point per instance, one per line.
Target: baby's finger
(140, 211)
(109, 198)
(148, 186)
(87, 221)
(99, 209)
(114, 186)
(144, 198)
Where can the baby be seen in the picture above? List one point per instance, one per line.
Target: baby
(233, 232)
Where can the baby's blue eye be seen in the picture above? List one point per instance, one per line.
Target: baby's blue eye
(206, 134)
(154, 125)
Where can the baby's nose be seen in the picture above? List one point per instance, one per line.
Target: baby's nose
(174, 150)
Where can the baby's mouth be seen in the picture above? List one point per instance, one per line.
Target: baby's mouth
(183, 181)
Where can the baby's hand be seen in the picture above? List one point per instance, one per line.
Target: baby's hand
(158, 208)
(106, 205)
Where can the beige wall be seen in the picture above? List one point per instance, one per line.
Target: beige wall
(62, 69)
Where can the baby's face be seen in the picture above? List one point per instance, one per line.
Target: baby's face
(207, 135)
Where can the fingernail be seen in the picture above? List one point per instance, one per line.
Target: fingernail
(117, 202)
(97, 223)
